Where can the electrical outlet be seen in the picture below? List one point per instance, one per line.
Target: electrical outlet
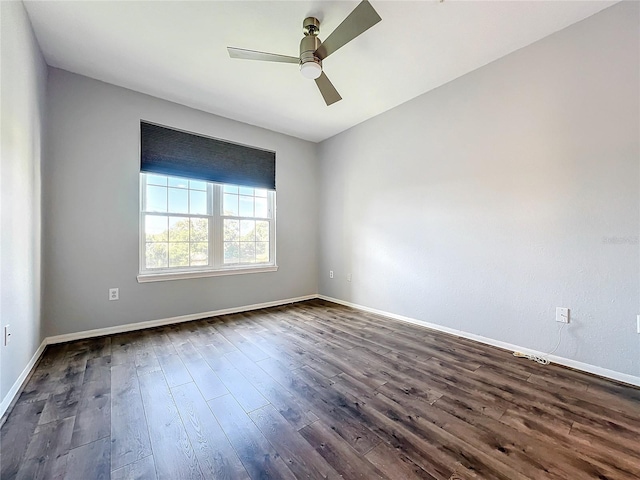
(562, 315)
(330, 273)
(349, 278)
(114, 294)
(7, 334)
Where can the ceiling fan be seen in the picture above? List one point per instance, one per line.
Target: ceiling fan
(313, 51)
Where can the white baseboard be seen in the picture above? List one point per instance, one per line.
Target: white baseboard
(16, 388)
(567, 362)
(99, 332)
(130, 327)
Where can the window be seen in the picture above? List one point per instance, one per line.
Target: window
(207, 206)
(191, 228)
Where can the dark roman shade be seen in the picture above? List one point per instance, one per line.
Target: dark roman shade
(172, 152)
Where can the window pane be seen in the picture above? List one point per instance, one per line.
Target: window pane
(175, 235)
(197, 185)
(179, 254)
(231, 252)
(246, 206)
(156, 255)
(178, 229)
(178, 182)
(156, 228)
(262, 231)
(156, 199)
(230, 205)
(262, 252)
(156, 180)
(178, 200)
(198, 204)
(199, 254)
(247, 252)
(261, 208)
(199, 230)
(231, 230)
(247, 230)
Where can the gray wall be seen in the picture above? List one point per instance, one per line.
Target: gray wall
(486, 203)
(91, 211)
(23, 82)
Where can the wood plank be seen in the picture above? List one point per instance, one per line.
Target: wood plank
(173, 454)
(287, 404)
(143, 469)
(207, 381)
(338, 453)
(146, 362)
(244, 345)
(215, 338)
(129, 432)
(39, 386)
(99, 347)
(46, 456)
(93, 420)
(300, 457)
(174, 370)
(395, 464)
(162, 344)
(330, 406)
(430, 446)
(123, 348)
(16, 434)
(243, 391)
(587, 451)
(66, 387)
(257, 455)
(90, 461)
(215, 454)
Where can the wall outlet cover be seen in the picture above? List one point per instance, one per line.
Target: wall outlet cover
(562, 315)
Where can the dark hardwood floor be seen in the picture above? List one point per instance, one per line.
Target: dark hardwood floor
(313, 390)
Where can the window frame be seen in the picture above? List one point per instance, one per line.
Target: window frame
(216, 265)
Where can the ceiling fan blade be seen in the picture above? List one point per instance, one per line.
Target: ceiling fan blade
(328, 91)
(254, 55)
(360, 20)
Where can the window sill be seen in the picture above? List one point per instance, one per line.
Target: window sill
(165, 276)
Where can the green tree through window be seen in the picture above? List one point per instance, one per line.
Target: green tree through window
(188, 224)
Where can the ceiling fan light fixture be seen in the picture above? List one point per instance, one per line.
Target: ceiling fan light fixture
(310, 70)
(313, 51)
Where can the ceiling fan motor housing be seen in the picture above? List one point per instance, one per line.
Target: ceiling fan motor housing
(308, 45)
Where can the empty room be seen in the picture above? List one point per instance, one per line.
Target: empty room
(358, 239)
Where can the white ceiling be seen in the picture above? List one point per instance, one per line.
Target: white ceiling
(176, 50)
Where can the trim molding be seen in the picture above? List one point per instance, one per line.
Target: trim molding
(163, 277)
(99, 332)
(129, 327)
(17, 386)
(567, 362)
